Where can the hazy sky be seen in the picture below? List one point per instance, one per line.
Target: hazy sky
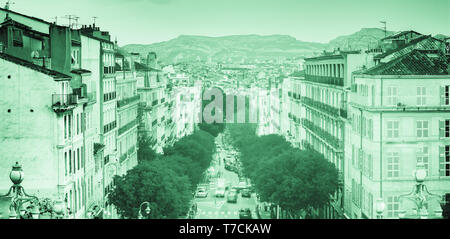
(149, 21)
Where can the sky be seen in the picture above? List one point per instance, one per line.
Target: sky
(150, 21)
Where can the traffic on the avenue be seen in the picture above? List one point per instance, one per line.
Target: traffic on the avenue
(225, 193)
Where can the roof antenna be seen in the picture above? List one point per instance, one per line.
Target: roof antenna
(94, 17)
(385, 32)
(7, 4)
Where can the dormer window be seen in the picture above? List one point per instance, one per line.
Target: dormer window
(17, 38)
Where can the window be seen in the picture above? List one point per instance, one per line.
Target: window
(17, 38)
(65, 126)
(392, 129)
(70, 125)
(65, 163)
(422, 156)
(422, 128)
(444, 128)
(78, 159)
(353, 155)
(392, 96)
(393, 206)
(370, 128)
(421, 95)
(444, 161)
(78, 123)
(393, 165)
(445, 96)
(70, 161)
(368, 161)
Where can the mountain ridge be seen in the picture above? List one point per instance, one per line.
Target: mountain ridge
(249, 47)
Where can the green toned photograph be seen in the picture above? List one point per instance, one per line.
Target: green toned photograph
(237, 109)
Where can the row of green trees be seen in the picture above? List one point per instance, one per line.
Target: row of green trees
(166, 181)
(297, 180)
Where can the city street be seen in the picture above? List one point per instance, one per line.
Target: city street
(213, 207)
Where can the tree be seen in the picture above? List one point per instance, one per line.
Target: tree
(292, 178)
(153, 181)
(145, 152)
(214, 128)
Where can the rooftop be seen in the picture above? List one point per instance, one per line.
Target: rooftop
(417, 62)
(49, 72)
(412, 42)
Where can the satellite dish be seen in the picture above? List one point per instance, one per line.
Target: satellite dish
(34, 54)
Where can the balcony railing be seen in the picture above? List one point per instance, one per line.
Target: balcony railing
(131, 151)
(126, 127)
(122, 158)
(324, 107)
(62, 102)
(329, 138)
(338, 81)
(127, 101)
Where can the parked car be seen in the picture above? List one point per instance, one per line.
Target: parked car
(232, 196)
(245, 213)
(201, 192)
(246, 193)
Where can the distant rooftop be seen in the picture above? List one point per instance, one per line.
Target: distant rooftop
(417, 62)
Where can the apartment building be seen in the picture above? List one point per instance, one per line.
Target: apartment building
(293, 110)
(86, 55)
(127, 109)
(398, 116)
(153, 105)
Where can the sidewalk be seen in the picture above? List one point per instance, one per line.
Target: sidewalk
(260, 213)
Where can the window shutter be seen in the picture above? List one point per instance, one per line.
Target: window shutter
(441, 128)
(442, 94)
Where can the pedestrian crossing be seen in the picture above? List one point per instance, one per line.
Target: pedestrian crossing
(217, 213)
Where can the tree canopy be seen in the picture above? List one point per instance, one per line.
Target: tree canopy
(292, 178)
(166, 181)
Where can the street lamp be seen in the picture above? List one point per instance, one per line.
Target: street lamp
(24, 205)
(17, 193)
(379, 207)
(147, 210)
(420, 196)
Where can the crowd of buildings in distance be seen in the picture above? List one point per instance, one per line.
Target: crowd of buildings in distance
(73, 106)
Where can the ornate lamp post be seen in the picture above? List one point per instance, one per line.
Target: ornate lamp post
(147, 210)
(420, 196)
(28, 206)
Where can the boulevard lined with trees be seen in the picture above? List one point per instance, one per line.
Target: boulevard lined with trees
(296, 180)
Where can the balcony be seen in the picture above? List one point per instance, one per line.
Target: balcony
(329, 80)
(109, 96)
(336, 112)
(63, 102)
(126, 127)
(126, 101)
(329, 138)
